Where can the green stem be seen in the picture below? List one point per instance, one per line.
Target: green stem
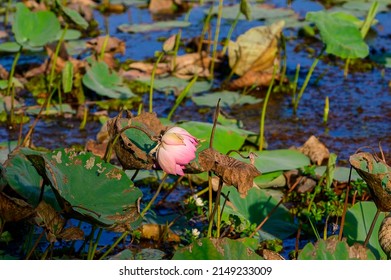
(154, 196)
(265, 102)
(231, 30)
(10, 87)
(205, 28)
(92, 254)
(295, 81)
(54, 62)
(7, 10)
(216, 39)
(284, 58)
(153, 80)
(104, 46)
(307, 79)
(124, 234)
(182, 96)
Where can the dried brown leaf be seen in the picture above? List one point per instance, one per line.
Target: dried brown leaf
(251, 78)
(271, 255)
(161, 6)
(232, 171)
(147, 68)
(315, 150)
(112, 45)
(72, 233)
(13, 209)
(48, 218)
(129, 155)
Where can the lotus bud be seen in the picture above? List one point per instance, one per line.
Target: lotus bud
(176, 149)
(169, 44)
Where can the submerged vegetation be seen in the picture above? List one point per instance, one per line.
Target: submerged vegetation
(185, 180)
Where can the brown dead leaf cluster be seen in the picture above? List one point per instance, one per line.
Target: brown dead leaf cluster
(315, 150)
(230, 170)
(183, 66)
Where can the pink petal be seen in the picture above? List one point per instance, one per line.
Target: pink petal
(166, 160)
(179, 170)
(181, 154)
(172, 139)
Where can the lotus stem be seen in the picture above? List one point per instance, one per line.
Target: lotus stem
(182, 96)
(345, 206)
(153, 80)
(263, 115)
(216, 39)
(326, 110)
(154, 196)
(306, 81)
(231, 30)
(10, 83)
(124, 234)
(371, 228)
(204, 28)
(91, 253)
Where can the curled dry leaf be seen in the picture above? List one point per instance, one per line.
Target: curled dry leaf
(189, 65)
(232, 171)
(48, 218)
(385, 235)
(112, 45)
(256, 49)
(315, 150)
(71, 234)
(134, 153)
(377, 175)
(13, 209)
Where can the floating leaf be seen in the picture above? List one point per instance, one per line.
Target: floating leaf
(11, 47)
(34, 29)
(332, 249)
(216, 249)
(341, 35)
(156, 26)
(278, 160)
(88, 188)
(99, 79)
(73, 15)
(255, 207)
(357, 223)
(228, 99)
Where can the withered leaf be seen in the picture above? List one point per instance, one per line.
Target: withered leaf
(72, 233)
(13, 209)
(129, 153)
(232, 171)
(377, 174)
(315, 150)
(48, 218)
(251, 78)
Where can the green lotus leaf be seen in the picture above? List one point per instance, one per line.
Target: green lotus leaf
(34, 29)
(104, 82)
(340, 34)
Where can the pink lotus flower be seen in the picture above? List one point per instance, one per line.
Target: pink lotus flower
(177, 148)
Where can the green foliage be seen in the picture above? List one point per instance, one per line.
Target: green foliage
(254, 208)
(228, 99)
(216, 249)
(332, 249)
(105, 82)
(357, 224)
(340, 33)
(34, 29)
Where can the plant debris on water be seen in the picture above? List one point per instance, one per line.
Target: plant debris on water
(195, 130)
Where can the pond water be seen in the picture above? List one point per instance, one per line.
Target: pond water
(360, 104)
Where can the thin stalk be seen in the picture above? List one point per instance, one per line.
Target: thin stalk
(263, 115)
(371, 228)
(314, 229)
(295, 81)
(92, 253)
(154, 196)
(216, 39)
(326, 110)
(7, 10)
(231, 30)
(153, 80)
(345, 206)
(182, 96)
(59, 96)
(124, 234)
(284, 59)
(85, 116)
(213, 213)
(10, 83)
(210, 204)
(307, 79)
(104, 46)
(54, 61)
(204, 29)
